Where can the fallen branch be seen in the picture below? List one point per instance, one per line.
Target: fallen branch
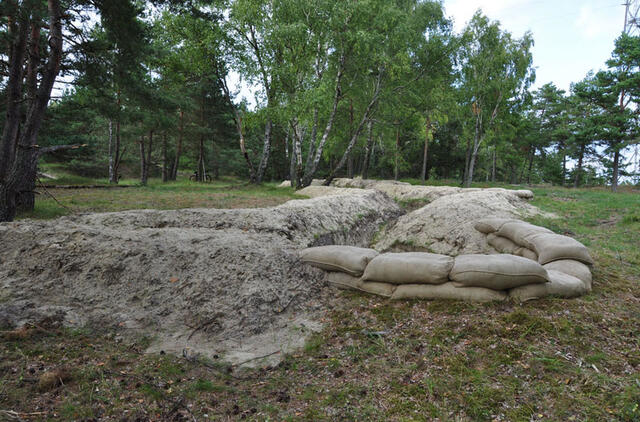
(256, 358)
(19, 415)
(55, 148)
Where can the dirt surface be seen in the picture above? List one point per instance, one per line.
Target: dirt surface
(216, 282)
(445, 225)
(402, 191)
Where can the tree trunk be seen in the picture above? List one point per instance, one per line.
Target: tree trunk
(493, 165)
(143, 162)
(616, 170)
(474, 153)
(165, 175)
(298, 136)
(467, 158)
(266, 149)
(367, 150)
(396, 153)
(312, 142)
(365, 116)
(114, 175)
(111, 150)
(308, 177)
(532, 154)
(350, 157)
(564, 162)
(201, 173)
(292, 166)
(13, 92)
(214, 160)
(576, 181)
(176, 162)
(425, 154)
(148, 160)
(20, 172)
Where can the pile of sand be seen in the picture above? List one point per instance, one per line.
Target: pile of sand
(402, 191)
(445, 225)
(226, 282)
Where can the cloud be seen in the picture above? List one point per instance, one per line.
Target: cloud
(591, 25)
(587, 22)
(462, 10)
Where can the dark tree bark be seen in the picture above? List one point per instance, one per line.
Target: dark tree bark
(396, 153)
(17, 52)
(165, 174)
(368, 150)
(425, 154)
(116, 158)
(176, 162)
(616, 170)
(532, 155)
(20, 163)
(576, 181)
(143, 162)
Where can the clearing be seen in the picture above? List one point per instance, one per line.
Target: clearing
(550, 359)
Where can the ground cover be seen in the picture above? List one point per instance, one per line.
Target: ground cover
(551, 359)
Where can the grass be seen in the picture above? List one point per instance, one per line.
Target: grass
(548, 360)
(225, 193)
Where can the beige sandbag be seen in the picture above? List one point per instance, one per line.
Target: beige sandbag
(526, 253)
(409, 268)
(524, 194)
(491, 225)
(347, 259)
(573, 268)
(446, 291)
(347, 282)
(502, 244)
(554, 247)
(520, 231)
(497, 272)
(560, 284)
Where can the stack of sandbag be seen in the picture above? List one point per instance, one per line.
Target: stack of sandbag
(419, 275)
(566, 260)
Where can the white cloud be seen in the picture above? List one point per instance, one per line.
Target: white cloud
(462, 10)
(588, 23)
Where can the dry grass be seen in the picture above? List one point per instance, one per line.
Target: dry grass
(548, 360)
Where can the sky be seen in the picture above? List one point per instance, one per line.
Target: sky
(571, 36)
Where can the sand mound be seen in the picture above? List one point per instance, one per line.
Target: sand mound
(318, 191)
(225, 282)
(402, 191)
(445, 225)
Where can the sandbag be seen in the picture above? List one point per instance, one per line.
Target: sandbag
(409, 268)
(446, 291)
(491, 225)
(497, 272)
(560, 284)
(573, 268)
(347, 259)
(524, 193)
(526, 253)
(519, 232)
(554, 247)
(347, 282)
(502, 244)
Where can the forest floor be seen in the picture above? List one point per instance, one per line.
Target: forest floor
(551, 359)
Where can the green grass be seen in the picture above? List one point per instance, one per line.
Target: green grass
(226, 193)
(547, 360)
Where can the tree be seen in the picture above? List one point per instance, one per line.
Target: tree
(37, 32)
(495, 68)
